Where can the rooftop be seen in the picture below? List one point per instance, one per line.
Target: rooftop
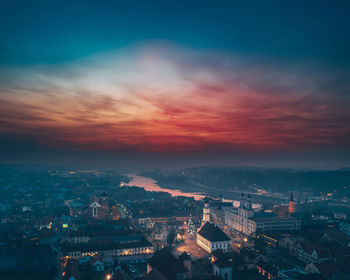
(213, 233)
(167, 264)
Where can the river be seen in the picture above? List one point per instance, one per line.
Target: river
(151, 185)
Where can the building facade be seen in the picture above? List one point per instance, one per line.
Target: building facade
(211, 237)
(291, 206)
(128, 250)
(206, 212)
(245, 220)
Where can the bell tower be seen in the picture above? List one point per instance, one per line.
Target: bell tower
(104, 201)
(206, 212)
(291, 207)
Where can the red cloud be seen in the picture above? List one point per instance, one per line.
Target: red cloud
(200, 109)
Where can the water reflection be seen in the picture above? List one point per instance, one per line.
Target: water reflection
(151, 185)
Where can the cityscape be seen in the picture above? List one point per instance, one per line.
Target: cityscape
(99, 224)
(174, 140)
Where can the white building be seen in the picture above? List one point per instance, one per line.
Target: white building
(273, 224)
(206, 212)
(239, 218)
(244, 219)
(211, 237)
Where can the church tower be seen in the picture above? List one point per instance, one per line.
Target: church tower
(104, 201)
(206, 212)
(291, 208)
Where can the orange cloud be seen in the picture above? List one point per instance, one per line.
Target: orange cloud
(151, 101)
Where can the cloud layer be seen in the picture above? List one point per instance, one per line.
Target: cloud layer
(165, 98)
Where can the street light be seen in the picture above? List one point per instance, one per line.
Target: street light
(108, 276)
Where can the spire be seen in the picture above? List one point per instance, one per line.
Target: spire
(291, 207)
(248, 205)
(104, 195)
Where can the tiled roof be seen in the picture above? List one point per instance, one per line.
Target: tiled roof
(167, 264)
(328, 268)
(212, 233)
(267, 267)
(309, 248)
(154, 274)
(119, 275)
(222, 263)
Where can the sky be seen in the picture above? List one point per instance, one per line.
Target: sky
(158, 83)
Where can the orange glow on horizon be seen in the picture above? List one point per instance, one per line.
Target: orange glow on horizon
(156, 105)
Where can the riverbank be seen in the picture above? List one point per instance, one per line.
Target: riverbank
(150, 184)
(186, 183)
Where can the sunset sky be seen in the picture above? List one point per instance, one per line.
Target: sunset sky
(206, 82)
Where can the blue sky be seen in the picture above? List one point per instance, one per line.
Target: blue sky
(60, 31)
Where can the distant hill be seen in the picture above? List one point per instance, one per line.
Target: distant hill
(277, 180)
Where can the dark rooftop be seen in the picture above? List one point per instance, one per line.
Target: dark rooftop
(154, 274)
(212, 233)
(222, 263)
(184, 256)
(167, 264)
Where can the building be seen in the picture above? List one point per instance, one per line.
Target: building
(206, 212)
(163, 265)
(310, 253)
(238, 218)
(291, 207)
(330, 269)
(187, 262)
(211, 237)
(104, 201)
(223, 268)
(246, 220)
(276, 223)
(222, 264)
(98, 208)
(132, 248)
(266, 269)
(149, 222)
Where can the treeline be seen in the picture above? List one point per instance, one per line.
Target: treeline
(270, 179)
